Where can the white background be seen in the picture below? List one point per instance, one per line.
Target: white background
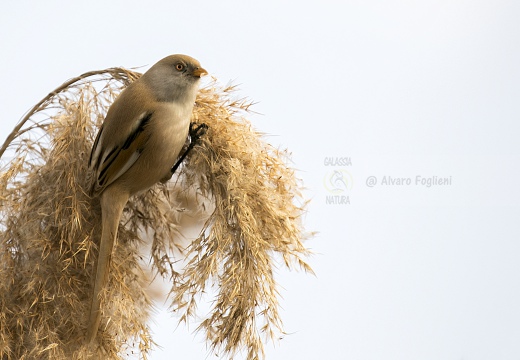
(402, 88)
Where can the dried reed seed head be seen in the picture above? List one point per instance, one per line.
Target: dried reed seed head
(50, 231)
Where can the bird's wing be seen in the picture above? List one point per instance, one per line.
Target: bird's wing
(111, 157)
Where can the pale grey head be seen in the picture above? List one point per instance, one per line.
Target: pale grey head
(174, 78)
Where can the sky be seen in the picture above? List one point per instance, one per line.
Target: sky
(403, 122)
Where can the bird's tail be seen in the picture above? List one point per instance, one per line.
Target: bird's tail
(112, 204)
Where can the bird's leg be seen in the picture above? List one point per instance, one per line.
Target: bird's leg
(196, 132)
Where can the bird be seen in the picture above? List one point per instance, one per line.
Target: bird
(140, 139)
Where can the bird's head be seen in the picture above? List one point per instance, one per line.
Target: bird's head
(174, 77)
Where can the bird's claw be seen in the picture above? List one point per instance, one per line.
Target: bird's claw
(197, 131)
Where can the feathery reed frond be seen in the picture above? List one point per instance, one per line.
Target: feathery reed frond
(50, 227)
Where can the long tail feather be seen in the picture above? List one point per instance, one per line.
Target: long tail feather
(112, 203)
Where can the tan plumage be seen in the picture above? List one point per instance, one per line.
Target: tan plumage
(137, 145)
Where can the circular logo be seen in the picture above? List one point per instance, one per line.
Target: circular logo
(338, 181)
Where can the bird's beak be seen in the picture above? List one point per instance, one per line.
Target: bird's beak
(198, 72)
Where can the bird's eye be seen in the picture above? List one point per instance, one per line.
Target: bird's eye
(179, 67)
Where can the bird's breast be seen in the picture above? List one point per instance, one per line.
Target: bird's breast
(169, 130)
